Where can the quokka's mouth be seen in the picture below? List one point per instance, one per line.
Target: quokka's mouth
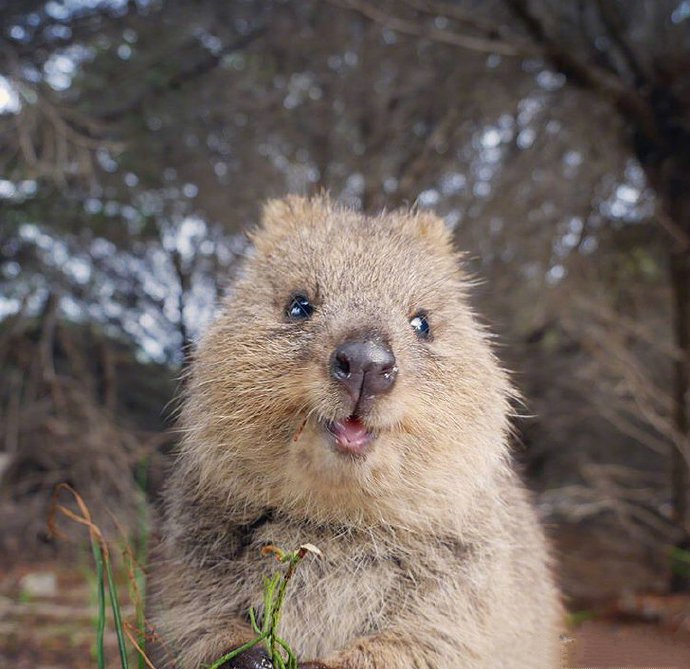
(350, 435)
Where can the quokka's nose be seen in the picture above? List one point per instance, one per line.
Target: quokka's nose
(365, 368)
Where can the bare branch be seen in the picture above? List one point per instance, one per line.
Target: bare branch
(672, 228)
(455, 13)
(586, 74)
(611, 20)
(407, 27)
(182, 77)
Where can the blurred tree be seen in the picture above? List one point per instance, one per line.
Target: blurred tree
(635, 57)
(137, 139)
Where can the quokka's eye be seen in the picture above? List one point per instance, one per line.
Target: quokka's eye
(299, 308)
(420, 325)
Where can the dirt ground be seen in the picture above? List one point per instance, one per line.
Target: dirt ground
(47, 618)
(615, 644)
(47, 622)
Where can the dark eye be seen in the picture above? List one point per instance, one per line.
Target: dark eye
(420, 325)
(299, 308)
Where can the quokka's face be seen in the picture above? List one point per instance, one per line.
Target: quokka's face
(346, 347)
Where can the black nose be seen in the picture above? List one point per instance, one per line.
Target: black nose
(365, 368)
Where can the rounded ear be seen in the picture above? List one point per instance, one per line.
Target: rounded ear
(432, 228)
(282, 212)
(279, 217)
(287, 215)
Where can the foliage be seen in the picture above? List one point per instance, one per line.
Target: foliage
(275, 588)
(104, 575)
(138, 139)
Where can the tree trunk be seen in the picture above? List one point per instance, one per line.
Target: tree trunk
(669, 180)
(680, 286)
(679, 275)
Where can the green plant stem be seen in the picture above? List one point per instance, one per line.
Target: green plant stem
(140, 617)
(100, 586)
(141, 559)
(292, 658)
(237, 651)
(117, 617)
(277, 609)
(274, 592)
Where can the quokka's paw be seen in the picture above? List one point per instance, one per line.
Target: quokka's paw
(254, 658)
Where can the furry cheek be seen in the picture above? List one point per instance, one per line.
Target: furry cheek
(314, 465)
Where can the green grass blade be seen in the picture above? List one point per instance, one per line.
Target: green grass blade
(137, 595)
(100, 585)
(141, 559)
(117, 617)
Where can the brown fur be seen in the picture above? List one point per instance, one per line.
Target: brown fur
(432, 553)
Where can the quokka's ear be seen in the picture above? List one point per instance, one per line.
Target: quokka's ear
(279, 218)
(430, 227)
(282, 212)
(283, 216)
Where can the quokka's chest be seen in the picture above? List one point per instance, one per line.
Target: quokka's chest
(349, 591)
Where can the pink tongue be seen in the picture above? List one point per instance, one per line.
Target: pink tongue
(350, 435)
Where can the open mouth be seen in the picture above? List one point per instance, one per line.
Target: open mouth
(351, 435)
